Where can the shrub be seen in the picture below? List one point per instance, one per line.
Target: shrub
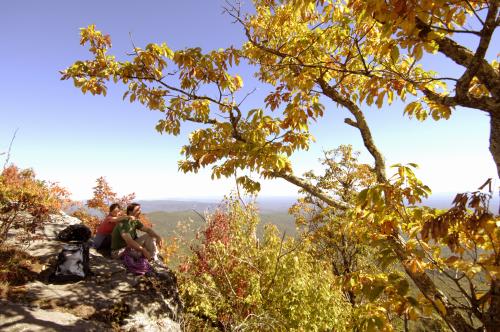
(26, 202)
(234, 282)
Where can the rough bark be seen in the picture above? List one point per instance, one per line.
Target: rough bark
(495, 139)
(360, 124)
(492, 317)
(463, 56)
(474, 62)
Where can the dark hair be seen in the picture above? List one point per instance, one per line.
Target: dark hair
(114, 206)
(131, 208)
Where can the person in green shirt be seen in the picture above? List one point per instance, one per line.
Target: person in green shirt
(125, 236)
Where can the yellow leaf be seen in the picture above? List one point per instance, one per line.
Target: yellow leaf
(238, 82)
(439, 304)
(416, 266)
(417, 52)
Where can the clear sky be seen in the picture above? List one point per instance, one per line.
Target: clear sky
(73, 138)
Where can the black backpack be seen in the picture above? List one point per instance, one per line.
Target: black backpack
(78, 232)
(72, 264)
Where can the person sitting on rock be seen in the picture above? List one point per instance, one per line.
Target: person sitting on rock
(102, 239)
(124, 237)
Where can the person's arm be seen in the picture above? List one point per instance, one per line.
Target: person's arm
(121, 218)
(113, 220)
(152, 233)
(131, 243)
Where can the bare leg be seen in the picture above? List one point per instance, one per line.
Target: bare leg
(149, 243)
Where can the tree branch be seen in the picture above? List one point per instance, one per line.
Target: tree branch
(464, 57)
(428, 288)
(485, 104)
(360, 124)
(489, 26)
(311, 189)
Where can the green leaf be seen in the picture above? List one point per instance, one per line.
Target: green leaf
(362, 196)
(395, 54)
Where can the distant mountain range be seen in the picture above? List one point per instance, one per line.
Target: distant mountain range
(167, 223)
(266, 204)
(166, 214)
(276, 204)
(148, 206)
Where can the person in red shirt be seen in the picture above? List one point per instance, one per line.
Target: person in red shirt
(102, 240)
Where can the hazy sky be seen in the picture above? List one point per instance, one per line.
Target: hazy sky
(74, 138)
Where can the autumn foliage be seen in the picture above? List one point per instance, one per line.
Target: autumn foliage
(232, 281)
(26, 202)
(355, 54)
(103, 197)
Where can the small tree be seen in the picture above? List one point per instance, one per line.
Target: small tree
(380, 295)
(103, 197)
(333, 234)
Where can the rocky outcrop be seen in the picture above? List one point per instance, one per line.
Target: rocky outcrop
(18, 317)
(110, 299)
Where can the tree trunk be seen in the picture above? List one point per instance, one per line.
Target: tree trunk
(492, 319)
(495, 139)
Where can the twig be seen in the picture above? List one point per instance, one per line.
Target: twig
(199, 214)
(248, 94)
(238, 190)
(9, 150)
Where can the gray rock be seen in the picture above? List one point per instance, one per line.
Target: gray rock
(64, 219)
(17, 318)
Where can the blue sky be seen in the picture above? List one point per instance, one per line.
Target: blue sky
(73, 138)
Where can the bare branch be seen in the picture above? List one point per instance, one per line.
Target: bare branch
(475, 13)
(351, 122)
(7, 158)
(435, 27)
(200, 215)
(248, 94)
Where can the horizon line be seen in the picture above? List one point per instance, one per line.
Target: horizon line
(221, 197)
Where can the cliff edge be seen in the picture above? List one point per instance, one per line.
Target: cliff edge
(111, 299)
